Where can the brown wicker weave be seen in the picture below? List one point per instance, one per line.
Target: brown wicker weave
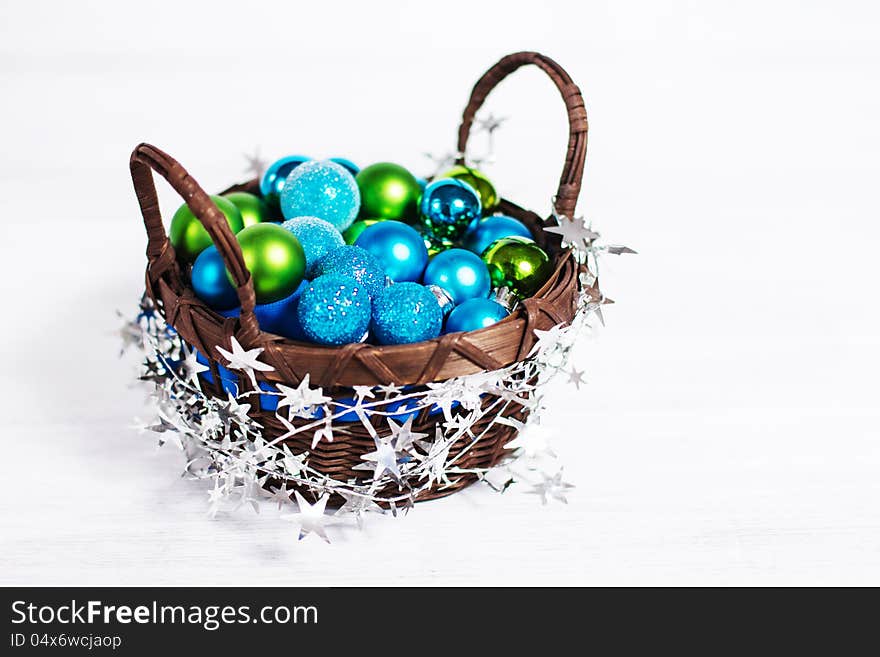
(337, 368)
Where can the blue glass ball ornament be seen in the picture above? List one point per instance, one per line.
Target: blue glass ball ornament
(322, 189)
(399, 248)
(475, 314)
(348, 165)
(334, 310)
(406, 312)
(482, 232)
(448, 206)
(276, 173)
(317, 238)
(461, 273)
(209, 280)
(355, 262)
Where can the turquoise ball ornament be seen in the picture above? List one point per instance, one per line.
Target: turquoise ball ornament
(356, 263)
(276, 173)
(461, 273)
(475, 314)
(399, 248)
(482, 232)
(406, 312)
(275, 259)
(334, 310)
(317, 238)
(209, 280)
(322, 189)
(348, 165)
(448, 207)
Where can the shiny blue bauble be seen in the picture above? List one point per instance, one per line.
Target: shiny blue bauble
(276, 173)
(399, 248)
(209, 280)
(462, 274)
(404, 313)
(334, 310)
(348, 165)
(317, 237)
(322, 189)
(482, 232)
(355, 262)
(278, 317)
(475, 314)
(447, 208)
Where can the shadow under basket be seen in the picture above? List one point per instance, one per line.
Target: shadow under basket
(338, 369)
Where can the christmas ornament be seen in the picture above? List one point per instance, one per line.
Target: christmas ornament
(353, 232)
(519, 264)
(482, 232)
(275, 260)
(317, 238)
(253, 209)
(461, 273)
(474, 314)
(210, 282)
(356, 263)
(322, 189)
(447, 208)
(334, 310)
(388, 191)
(477, 180)
(399, 248)
(276, 173)
(406, 312)
(443, 299)
(189, 238)
(348, 165)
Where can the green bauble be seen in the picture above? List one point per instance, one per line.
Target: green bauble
(388, 191)
(477, 180)
(189, 238)
(253, 209)
(275, 259)
(518, 264)
(351, 233)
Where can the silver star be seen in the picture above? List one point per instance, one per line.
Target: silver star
(255, 164)
(311, 516)
(245, 361)
(358, 505)
(573, 231)
(301, 401)
(402, 435)
(215, 497)
(383, 458)
(576, 377)
(552, 487)
(531, 439)
(435, 460)
(293, 464)
(490, 123)
(190, 368)
(547, 339)
(281, 496)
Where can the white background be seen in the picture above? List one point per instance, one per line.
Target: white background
(729, 431)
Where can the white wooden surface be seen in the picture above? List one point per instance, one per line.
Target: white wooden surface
(729, 432)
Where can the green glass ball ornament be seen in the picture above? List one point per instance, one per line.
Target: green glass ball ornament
(253, 209)
(189, 238)
(354, 231)
(388, 191)
(477, 180)
(275, 259)
(518, 264)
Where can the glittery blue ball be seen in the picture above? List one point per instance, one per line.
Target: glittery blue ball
(461, 273)
(209, 280)
(404, 313)
(317, 237)
(276, 173)
(348, 165)
(334, 309)
(355, 262)
(448, 206)
(399, 248)
(482, 232)
(321, 189)
(475, 314)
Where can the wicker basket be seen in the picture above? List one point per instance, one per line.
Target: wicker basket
(336, 369)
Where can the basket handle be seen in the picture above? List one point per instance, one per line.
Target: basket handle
(573, 170)
(144, 160)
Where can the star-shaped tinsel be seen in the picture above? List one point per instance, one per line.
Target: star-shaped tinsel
(552, 487)
(575, 376)
(190, 367)
(256, 165)
(244, 361)
(531, 438)
(382, 460)
(311, 516)
(302, 400)
(574, 232)
(357, 504)
(402, 435)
